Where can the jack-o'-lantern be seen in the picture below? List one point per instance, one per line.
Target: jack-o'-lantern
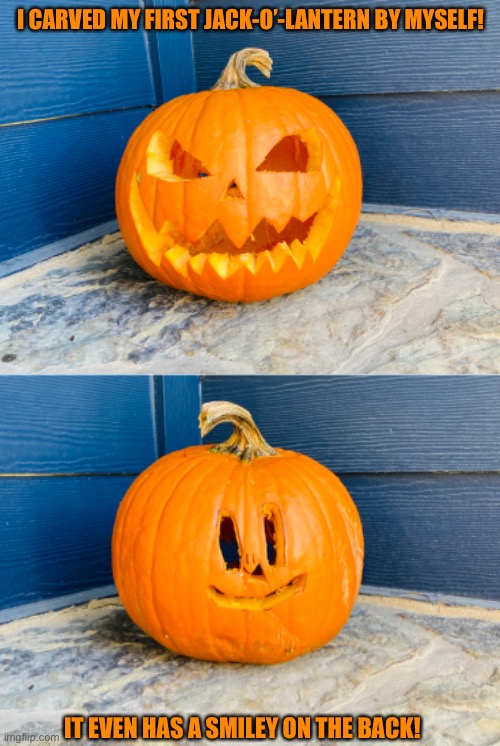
(239, 551)
(240, 193)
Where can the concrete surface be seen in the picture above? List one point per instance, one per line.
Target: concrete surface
(410, 295)
(395, 656)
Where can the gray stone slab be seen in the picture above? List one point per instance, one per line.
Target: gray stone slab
(395, 656)
(409, 296)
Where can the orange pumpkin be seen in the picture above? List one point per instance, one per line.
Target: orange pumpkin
(238, 552)
(240, 193)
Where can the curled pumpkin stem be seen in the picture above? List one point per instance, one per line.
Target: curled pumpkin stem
(246, 441)
(234, 74)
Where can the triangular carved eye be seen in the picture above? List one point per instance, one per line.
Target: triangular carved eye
(294, 153)
(186, 165)
(167, 160)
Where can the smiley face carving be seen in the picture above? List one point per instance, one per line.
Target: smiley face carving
(239, 193)
(250, 582)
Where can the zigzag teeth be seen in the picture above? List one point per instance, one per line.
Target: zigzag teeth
(320, 229)
(248, 261)
(314, 244)
(279, 255)
(299, 253)
(178, 258)
(197, 263)
(264, 257)
(225, 264)
(234, 264)
(220, 264)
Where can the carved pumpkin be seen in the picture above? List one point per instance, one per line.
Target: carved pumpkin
(238, 552)
(240, 193)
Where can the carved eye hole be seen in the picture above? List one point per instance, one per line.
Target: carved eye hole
(275, 540)
(186, 165)
(228, 542)
(167, 160)
(294, 153)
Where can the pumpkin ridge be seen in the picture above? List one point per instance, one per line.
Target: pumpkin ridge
(249, 166)
(189, 146)
(177, 112)
(344, 524)
(154, 532)
(126, 506)
(155, 197)
(336, 130)
(234, 478)
(279, 116)
(159, 474)
(350, 518)
(193, 498)
(122, 514)
(123, 518)
(215, 647)
(299, 477)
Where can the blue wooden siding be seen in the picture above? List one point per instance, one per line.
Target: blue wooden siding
(69, 449)
(419, 456)
(69, 102)
(76, 425)
(56, 535)
(423, 107)
(432, 532)
(181, 408)
(60, 177)
(427, 149)
(71, 73)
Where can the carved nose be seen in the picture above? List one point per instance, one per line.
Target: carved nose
(251, 566)
(233, 191)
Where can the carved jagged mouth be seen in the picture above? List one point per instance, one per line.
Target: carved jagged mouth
(259, 603)
(264, 238)
(266, 252)
(266, 247)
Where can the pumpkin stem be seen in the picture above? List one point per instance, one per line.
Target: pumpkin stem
(234, 74)
(246, 442)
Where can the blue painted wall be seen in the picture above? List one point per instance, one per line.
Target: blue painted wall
(68, 105)
(69, 449)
